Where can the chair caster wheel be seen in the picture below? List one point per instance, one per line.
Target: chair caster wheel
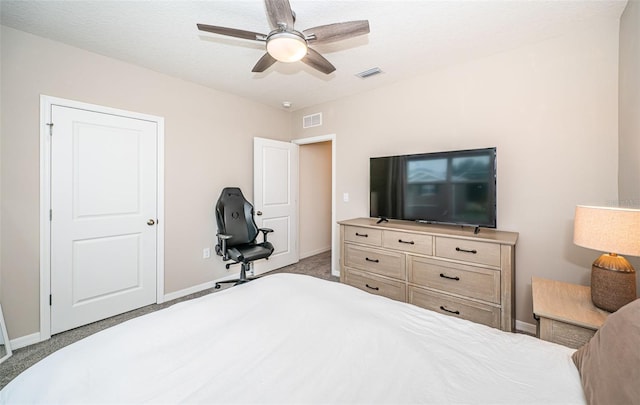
(217, 286)
(226, 266)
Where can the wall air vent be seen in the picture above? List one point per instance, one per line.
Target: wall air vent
(369, 72)
(313, 120)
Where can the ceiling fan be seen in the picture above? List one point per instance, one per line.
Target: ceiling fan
(285, 44)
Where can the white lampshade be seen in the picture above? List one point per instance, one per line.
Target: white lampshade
(286, 47)
(612, 230)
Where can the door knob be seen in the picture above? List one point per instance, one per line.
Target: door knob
(259, 213)
(151, 222)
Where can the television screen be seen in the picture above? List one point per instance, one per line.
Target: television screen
(456, 187)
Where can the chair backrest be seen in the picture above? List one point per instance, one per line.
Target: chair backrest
(234, 215)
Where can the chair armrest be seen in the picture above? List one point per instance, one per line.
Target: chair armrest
(221, 249)
(265, 231)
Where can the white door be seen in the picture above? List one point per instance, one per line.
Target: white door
(275, 199)
(103, 215)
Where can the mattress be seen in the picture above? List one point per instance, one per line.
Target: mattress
(288, 338)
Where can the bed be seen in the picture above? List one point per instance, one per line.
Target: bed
(289, 338)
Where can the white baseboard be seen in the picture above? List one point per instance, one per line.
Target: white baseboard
(314, 252)
(191, 290)
(526, 327)
(25, 341)
(200, 287)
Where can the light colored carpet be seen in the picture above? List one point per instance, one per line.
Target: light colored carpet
(316, 266)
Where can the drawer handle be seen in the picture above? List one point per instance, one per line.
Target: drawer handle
(450, 278)
(450, 311)
(364, 235)
(409, 242)
(466, 251)
(372, 260)
(372, 288)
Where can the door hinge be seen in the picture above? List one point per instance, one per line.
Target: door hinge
(50, 125)
(50, 299)
(50, 215)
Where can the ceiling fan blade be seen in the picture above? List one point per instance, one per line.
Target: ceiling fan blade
(337, 31)
(264, 63)
(318, 62)
(279, 12)
(232, 32)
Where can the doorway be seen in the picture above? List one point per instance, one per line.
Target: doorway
(318, 228)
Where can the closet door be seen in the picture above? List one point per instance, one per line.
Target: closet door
(103, 215)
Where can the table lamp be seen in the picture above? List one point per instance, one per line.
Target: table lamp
(616, 231)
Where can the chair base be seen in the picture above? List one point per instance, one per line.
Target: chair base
(241, 280)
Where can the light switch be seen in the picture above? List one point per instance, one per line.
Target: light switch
(345, 197)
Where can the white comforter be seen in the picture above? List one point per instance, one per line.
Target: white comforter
(296, 339)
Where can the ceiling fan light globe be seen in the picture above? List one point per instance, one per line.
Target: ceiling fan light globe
(286, 47)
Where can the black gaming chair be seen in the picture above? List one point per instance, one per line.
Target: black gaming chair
(237, 233)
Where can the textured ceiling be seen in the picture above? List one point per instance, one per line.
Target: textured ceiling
(407, 38)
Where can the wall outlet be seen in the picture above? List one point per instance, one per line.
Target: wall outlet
(206, 253)
(345, 197)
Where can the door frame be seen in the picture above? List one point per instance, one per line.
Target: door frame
(335, 268)
(46, 103)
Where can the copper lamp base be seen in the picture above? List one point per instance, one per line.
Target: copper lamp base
(613, 282)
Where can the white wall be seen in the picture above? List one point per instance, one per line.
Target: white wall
(208, 145)
(550, 108)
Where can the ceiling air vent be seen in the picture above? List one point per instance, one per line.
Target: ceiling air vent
(313, 120)
(369, 72)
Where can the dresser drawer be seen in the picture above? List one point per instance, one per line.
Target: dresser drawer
(408, 242)
(563, 333)
(386, 263)
(393, 289)
(444, 304)
(468, 251)
(470, 281)
(366, 236)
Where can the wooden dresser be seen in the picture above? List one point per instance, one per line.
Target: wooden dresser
(447, 269)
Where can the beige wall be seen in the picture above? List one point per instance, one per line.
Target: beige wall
(207, 140)
(629, 110)
(315, 198)
(551, 110)
(629, 99)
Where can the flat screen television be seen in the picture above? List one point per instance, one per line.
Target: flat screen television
(455, 187)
